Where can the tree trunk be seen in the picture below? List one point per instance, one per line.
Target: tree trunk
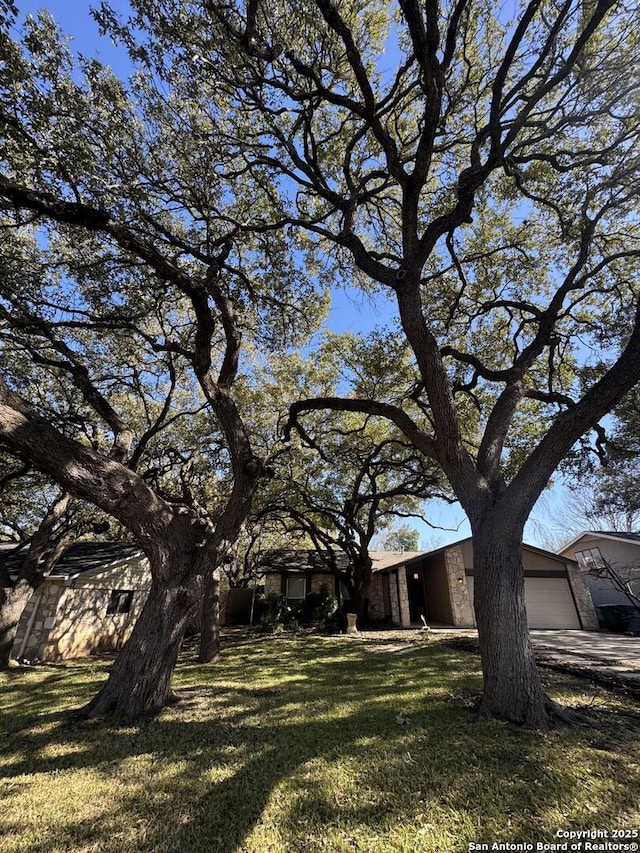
(362, 574)
(13, 601)
(210, 620)
(512, 686)
(140, 678)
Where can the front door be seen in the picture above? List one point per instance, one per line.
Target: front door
(415, 591)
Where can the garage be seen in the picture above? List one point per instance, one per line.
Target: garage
(549, 602)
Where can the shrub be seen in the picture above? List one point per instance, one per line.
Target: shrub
(317, 607)
(271, 612)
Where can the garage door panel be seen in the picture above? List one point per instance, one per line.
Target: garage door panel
(549, 603)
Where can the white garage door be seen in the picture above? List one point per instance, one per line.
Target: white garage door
(549, 603)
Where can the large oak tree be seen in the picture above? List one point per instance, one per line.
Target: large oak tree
(482, 169)
(127, 280)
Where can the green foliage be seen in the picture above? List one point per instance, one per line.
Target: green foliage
(272, 613)
(317, 607)
(91, 332)
(616, 487)
(401, 537)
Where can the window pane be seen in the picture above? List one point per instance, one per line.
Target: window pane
(120, 601)
(296, 588)
(590, 559)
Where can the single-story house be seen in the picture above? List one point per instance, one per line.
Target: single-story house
(92, 599)
(90, 603)
(438, 585)
(594, 550)
(295, 574)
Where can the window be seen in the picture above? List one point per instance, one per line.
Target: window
(296, 590)
(590, 560)
(120, 601)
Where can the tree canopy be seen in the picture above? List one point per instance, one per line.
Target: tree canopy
(482, 168)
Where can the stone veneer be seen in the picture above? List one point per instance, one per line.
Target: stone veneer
(461, 607)
(399, 597)
(376, 598)
(38, 617)
(582, 598)
(393, 597)
(67, 622)
(405, 618)
(273, 584)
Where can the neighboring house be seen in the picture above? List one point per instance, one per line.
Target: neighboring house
(438, 586)
(594, 551)
(88, 604)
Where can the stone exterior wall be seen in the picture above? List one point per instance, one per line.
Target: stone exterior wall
(376, 598)
(273, 584)
(582, 598)
(37, 620)
(461, 606)
(405, 618)
(68, 618)
(72, 622)
(399, 597)
(393, 597)
(316, 582)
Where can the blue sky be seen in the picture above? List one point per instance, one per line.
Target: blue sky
(75, 20)
(351, 311)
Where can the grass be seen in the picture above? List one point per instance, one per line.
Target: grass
(307, 744)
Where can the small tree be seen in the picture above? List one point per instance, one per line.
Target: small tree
(348, 476)
(366, 478)
(401, 537)
(623, 577)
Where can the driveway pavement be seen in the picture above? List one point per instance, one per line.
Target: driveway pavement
(614, 653)
(611, 655)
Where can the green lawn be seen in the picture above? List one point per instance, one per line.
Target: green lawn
(307, 744)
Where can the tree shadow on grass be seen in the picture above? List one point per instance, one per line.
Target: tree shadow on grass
(277, 752)
(36, 694)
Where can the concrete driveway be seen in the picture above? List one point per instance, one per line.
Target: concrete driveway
(610, 654)
(614, 652)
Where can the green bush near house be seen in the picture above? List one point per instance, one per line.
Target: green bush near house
(308, 744)
(317, 607)
(272, 612)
